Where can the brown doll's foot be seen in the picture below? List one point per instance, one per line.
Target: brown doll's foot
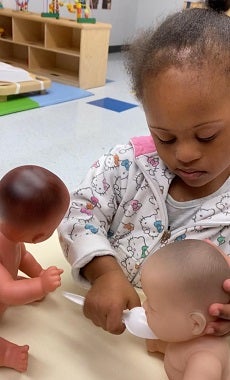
(13, 356)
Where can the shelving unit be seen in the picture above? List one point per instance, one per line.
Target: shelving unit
(61, 49)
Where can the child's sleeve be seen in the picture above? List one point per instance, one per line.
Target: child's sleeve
(84, 231)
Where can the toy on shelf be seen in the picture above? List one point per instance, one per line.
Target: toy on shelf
(22, 5)
(33, 201)
(82, 10)
(52, 9)
(1, 5)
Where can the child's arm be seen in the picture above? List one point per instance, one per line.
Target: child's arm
(110, 294)
(19, 292)
(29, 264)
(203, 366)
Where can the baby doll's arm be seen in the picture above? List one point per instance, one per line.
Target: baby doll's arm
(19, 292)
(203, 366)
(29, 264)
(109, 295)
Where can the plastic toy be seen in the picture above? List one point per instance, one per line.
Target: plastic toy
(52, 9)
(33, 201)
(22, 5)
(82, 10)
(181, 280)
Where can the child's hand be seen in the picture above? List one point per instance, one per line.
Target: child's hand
(109, 296)
(222, 312)
(222, 325)
(51, 279)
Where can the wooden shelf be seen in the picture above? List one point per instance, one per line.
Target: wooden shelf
(62, 49)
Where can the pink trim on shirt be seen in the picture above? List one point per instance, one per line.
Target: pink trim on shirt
(142, 145)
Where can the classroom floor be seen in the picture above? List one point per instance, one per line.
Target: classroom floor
(67, 138)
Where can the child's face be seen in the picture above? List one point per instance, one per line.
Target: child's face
(188, 113)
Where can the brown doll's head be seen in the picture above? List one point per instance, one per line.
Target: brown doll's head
(33, 201)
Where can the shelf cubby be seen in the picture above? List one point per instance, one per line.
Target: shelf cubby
(6, 24)
(63, 38)
(28, 32)
(61, 49)
(54, 65)
(13, 54)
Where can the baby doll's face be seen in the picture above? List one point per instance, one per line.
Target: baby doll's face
(166, 312)
(188, 113)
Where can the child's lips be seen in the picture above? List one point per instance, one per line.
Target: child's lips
(190, 173)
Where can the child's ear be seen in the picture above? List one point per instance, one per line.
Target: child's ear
(198, 322)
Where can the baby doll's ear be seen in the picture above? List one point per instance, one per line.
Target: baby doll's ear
(198, 321)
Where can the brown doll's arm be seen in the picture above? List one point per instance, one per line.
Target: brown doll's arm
(29, 264)
(13, 292)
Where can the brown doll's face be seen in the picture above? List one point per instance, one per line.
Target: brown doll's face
(33, 233)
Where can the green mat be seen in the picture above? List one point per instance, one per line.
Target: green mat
(57, 93)
(16, 105)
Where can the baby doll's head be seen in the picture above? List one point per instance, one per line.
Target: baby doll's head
(33, 201)
(181, 281)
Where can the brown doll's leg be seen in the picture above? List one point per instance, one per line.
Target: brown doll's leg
(13, 356)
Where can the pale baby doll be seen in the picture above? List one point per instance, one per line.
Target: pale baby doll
(33, 201)
(181, 281)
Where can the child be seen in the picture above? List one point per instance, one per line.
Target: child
(169, 186)
(180, 281)
(32, 203)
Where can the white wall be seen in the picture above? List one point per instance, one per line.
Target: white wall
(126, 16)
(154, 11)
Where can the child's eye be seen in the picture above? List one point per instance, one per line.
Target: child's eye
(170, 141)
(207, 139)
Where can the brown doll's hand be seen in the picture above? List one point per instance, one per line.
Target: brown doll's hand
(222, 325)
(51, 279)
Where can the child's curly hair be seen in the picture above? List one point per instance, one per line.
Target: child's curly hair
(192, 37)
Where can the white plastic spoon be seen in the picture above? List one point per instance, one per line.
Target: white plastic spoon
(134, 319)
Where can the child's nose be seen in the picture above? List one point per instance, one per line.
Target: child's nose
(187, 152)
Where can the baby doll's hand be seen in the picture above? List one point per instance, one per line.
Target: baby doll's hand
(222, 325)
(51, 279)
